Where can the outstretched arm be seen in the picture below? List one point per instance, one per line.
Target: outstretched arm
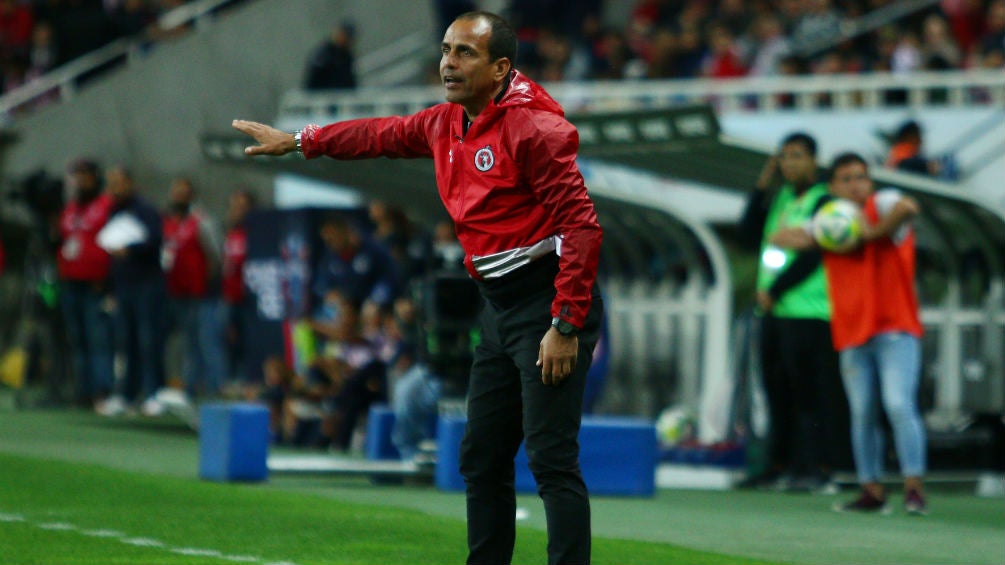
(271, 141)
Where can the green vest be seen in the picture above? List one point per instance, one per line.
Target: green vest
(807, 299)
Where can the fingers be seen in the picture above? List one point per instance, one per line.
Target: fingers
(555, 371)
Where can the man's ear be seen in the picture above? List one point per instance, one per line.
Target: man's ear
(503, 66)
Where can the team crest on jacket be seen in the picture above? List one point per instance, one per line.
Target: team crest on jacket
(484, 159)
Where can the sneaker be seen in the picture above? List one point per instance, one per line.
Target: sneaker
(111, 406)
(152, 408)
(914, 503)
(866, 503)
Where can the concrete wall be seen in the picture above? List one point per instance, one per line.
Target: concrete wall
(150, 114)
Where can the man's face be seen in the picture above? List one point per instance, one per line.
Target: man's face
(118, 184)
(181, 192)
(852, 182)
(469, 76)
(83, 182)
(798, 166)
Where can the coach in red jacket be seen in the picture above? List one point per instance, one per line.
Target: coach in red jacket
(505, 162)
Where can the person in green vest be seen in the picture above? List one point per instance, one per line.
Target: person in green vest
(799, 366)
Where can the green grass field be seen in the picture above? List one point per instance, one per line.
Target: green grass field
(77, 489)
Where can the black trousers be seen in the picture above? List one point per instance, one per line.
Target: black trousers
(802, 381)
(507, 403)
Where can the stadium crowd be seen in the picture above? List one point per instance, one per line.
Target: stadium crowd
(665, 39)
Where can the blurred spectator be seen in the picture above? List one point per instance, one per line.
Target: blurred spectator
(79, 26)
(613, 57)
(354, 265)
(352, 376)
(238, 306)
(447, 254)
(191, 261)
(939, 51)
(770, 48)
(448, 10)
(415, 397)
(83, 268)
(663, 59)
(401, 238)
(906, 56)
(906, 151)
(966, 19)
(42, 53)
(723, 58)
(331, 65)
(133, 237)
(993, 37)
(132, 18)
(16, 23)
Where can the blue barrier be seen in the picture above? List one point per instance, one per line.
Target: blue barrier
(617, 456)
(233, 442)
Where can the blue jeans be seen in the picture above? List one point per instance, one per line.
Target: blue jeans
(416, 396)
(887, 368)
(201, 322)
(89, 329)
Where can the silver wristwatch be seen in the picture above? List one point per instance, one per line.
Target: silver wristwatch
(298, 139)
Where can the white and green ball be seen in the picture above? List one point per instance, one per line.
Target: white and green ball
(675, 425)
(837, 225)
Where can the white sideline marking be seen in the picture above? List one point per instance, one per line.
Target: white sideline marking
(142, 542)
(196, 552)
(57, 526)
(138, 541)
(103, 533)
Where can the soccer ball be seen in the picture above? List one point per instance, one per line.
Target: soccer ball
(837, 226)
(674, 426)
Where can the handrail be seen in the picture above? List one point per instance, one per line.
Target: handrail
(869, 22)
(63, 79)
(969, 87)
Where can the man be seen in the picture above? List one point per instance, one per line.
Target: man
(799, 365)
(139, 291)
(877, 330)
(191, 262)
(505, 161)
(355, 265)
(240, 309)
(83, 268)
(331, 64)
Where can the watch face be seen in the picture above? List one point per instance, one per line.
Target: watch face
(563, 327)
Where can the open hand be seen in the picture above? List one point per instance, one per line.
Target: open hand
(271, 141)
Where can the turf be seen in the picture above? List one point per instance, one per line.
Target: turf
(70, 513)
(346, 517)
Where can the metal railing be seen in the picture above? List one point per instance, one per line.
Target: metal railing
(950, 88)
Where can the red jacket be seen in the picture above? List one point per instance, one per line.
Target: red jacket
(80, 258)
(185, 262)
(510, 184)
(235, 251)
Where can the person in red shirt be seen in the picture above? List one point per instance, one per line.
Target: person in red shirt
(238, 306)
(83, 269)
(190, 258)
(505, 162)
(877, 331)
